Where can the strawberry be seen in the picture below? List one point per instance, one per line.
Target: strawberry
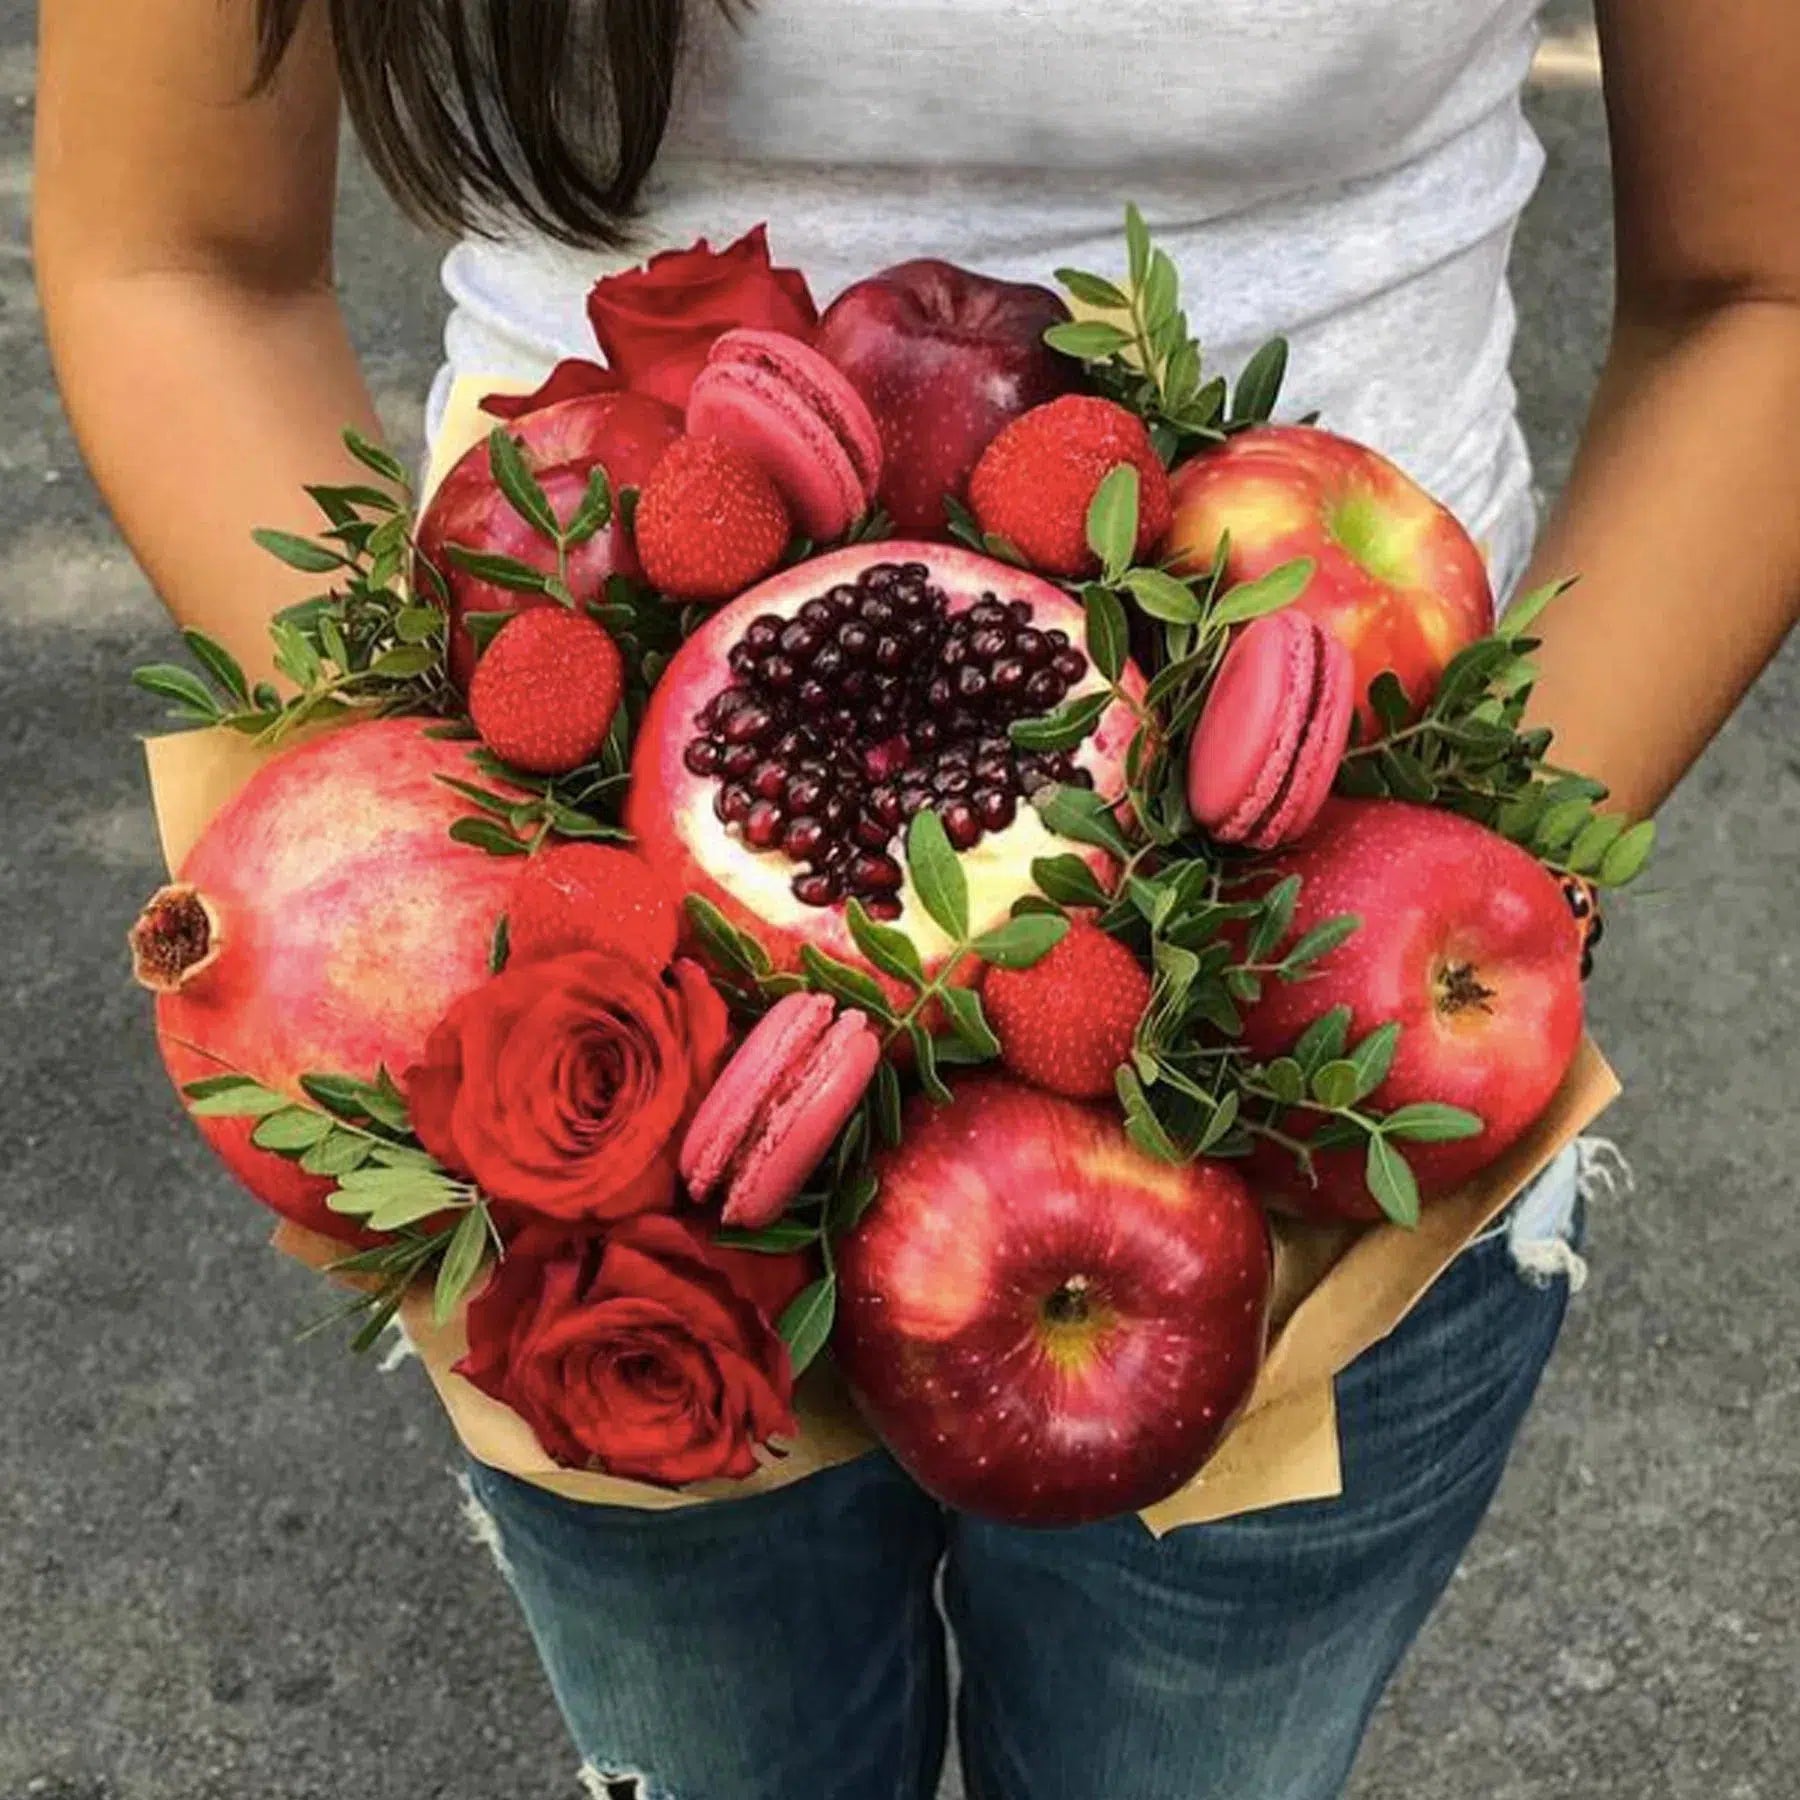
(544, 692)
(709, 521)
(591, 897)
(1066, 1023)
(1036, 480)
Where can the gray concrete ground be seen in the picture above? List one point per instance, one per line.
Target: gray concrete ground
(230, 1566)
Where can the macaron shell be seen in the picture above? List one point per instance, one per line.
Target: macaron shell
(1250, 732)
(727, 1118)
(1322, 745)
(783, 404)
(799, 1124)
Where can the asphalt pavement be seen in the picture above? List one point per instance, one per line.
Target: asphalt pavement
(232, 1566)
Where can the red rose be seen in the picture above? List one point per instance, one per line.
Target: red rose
(637, 1354)
(562, 1086)
(655, 324)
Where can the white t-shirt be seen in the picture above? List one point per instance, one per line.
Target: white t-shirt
(1344, 172)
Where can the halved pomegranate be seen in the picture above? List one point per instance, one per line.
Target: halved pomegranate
(798, 731)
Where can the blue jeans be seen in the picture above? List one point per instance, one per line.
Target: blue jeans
(789, 1647)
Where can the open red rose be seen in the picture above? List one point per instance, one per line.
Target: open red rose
(562, 1086)
(637, 1354)
(655, 324)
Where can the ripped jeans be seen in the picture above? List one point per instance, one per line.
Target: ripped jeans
(791, 1646)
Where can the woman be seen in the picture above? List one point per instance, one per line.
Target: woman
(1346, 173)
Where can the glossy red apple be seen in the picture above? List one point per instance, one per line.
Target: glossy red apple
(1466, 941)
(1398, 579)
(944, 359)
(1044, 1325)
(624, 433)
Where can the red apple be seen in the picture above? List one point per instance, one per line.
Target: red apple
(1046, 1326)
(944, 359)
(563, 444)
(1398, 578)
(1467, 942)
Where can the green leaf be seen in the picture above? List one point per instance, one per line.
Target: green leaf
(1218, 1126)
(1406, 776)
(889, 949)
(1276, 917)
(418, 624)
(403, 661)
(1161, 291)
(1142, 1125)
(169, 681)
(1259, 386)
(515, 480)
(372, 456)
(293, 1128)
(1525, 611)
(1093, 290)
(1088, 340)
(1079, 814)
(1392, 1182)
(782, 1238)
(1593, 841)
(1163, 597)
(855, 1200)
(337, 1154)
(244, 1099)
(1388, 701)
(1068, 881)
(503, 571)
(1112, 520)
(842, 982)
(1137, 245)
(925, 1050)
(1561, 823)
(734, 948)
(970, 1022)
(1072, 723)
(1626, 859)
(806, 1325)
(1374, 1057)
(1284, 1080)
(484, 627)
(1431, 1122)
(1108, 633)
(1322, 940)
(1022, 941)
(500, 946)
(595, 511)
(1335, 1085)
(462, 1263)
(219, 663)
(937, 875)
(300, 553)
(1323, 1040)
(887, 1108)
(1267, 594)
(488, 835)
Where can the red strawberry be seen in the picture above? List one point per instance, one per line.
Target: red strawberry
(545, 691)
(1036, 480)
(591, 897)
(1066, 1023)
(709, 521)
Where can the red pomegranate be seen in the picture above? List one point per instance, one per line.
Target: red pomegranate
(563, 444)
(322, 925)
(797, 732)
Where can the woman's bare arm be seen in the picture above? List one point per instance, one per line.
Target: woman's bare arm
(183, 241)
(1683, 513)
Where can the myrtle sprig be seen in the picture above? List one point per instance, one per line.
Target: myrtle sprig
(1140, 352)
(1469, 750)
(358, 1135)
(523, 812)
(372, 643)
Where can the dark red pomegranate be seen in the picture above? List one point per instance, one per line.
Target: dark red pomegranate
(796, 734)
(563, 444)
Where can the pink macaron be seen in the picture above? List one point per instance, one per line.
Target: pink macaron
(1269, 742)
(772, 1115)
(782, 403)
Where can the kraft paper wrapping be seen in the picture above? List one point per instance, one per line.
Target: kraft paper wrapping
(1339, 1290)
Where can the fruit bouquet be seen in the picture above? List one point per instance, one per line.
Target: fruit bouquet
(889, 849)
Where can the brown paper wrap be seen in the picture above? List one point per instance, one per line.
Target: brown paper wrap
(1339, 1290)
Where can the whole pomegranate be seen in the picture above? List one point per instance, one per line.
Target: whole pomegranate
(796, 733)
(623, 433)
(322, 925)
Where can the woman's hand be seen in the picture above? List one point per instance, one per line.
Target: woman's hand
(183, 246)
(1683, 513)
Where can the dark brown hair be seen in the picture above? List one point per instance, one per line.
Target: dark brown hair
(547, 112)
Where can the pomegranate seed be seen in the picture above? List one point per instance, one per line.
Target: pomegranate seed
(855, 639)
(1009, 676)
(768, 780)
(889, 653)
(884, 907)
(748, 725)
(814, 696)
(1071, 665)
(777, 672)
(732, 803)
(1057, 640)
(799, 641)
(802, 838)
(1044, 689)
(1031, 646)
(951, 780)
(738, 760)
(961, 826)
(971, 684)
(701, 757)
(764, 632)
(874, 873)
(804, 792)
(995, 808)
(817, 887)
(762, 827)
(834, 812)
(989, 644)
(871, 833)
